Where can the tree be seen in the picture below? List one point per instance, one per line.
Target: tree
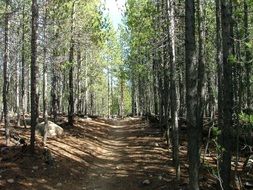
(45, 67)
(193, 104)
(226, 135)
(5, 74)
(174, 98)
(71, 62)
(248, 55)
(34, 73)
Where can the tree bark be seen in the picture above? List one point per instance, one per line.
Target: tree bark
(248, 56)
(34, 74)
(226, 19)
(23, 68)
(192, 99)
(45, 101)
(17, 94)
(71, 59)
(174, 98)
(5, 74)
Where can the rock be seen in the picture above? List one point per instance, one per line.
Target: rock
(35, 167)
(10, 180)
(160, 177)
(52, 129)
(146, 182)
(59, 184)
(248, 185)
(156, 144)
(248, 164)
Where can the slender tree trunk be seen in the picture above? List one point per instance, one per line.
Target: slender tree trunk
(248, 56)
(53, 94)
(226, 19)
(193, 86)
(133, 92)
(174, 98)
(71, 59)
(201, 62)
(45, 101)
(28, 94)
(86, 84)
(121, 97)
(78, 93)
(5, 74)
(34, 74)
(23, 67)
(108, 93)
(219, 62)
(155, 94)
(17, 94)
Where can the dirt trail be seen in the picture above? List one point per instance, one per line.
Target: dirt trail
(94, 155)
(132, 153)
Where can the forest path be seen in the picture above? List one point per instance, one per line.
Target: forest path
(131, 154)
(97, 154)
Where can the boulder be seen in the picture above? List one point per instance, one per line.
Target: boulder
(248, 164)
(146, 182)
(52, 129)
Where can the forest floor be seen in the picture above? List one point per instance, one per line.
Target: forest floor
(97, 154)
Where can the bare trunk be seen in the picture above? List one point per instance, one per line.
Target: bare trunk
(71, 59)
(226, 19)
(34, 74)
(5, 74)
(248, 56)
(192, 102)
(174, 98)
(17, 94)
(23, 68)
(45, 114)
(86, 85)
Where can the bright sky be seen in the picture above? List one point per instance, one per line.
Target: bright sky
(116, 9)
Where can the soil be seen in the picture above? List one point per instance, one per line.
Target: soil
(97, 154)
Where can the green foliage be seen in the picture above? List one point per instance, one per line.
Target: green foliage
(216, 131)
(232, 59)
(246, 120)
(249, 45)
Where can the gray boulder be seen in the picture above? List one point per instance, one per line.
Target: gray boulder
(53, 130)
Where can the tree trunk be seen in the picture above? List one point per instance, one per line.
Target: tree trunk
(34, 74)
(86, 84)
(108, 93)
(78, 82)
(192, 102)
(23, 67)
(17, 94)
(174, 98)
(155, 94)
(45, 114)
(219, 62)
(121, 97)
(226, 19)
(248, 56)
(71, 59)
(5, 74)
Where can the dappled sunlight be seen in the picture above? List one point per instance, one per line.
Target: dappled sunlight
(102, 154)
